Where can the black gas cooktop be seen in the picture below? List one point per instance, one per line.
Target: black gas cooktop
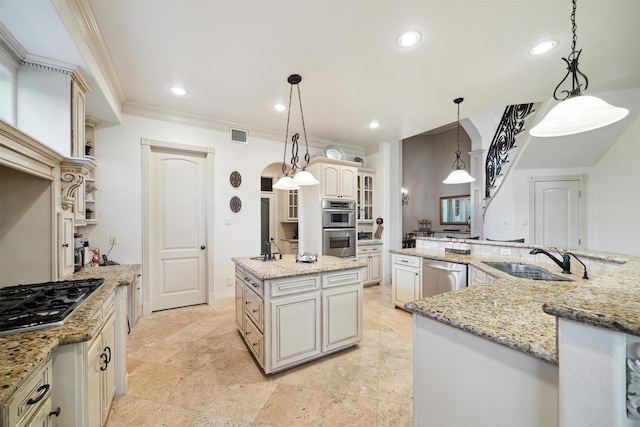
(42, 305)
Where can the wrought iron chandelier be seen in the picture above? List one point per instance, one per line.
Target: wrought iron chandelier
(458, 175)
(296, 177)
(577, 112)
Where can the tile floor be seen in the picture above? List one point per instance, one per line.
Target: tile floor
(190, 367)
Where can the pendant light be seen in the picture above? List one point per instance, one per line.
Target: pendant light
(458, 175)
(577, 112)
(299, 177)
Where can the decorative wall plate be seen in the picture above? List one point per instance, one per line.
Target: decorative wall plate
(235, 179)
(333, 152)
(235, 204)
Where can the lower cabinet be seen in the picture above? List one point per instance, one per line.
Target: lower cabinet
(406, 279)
(295, 334)
(91, 373)
(372, 256)
(289, 321)
(31, 404)
(477, 276)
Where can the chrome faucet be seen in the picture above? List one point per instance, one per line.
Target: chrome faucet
(565, 264)
(270, 255)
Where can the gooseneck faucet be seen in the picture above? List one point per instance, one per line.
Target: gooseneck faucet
(565, 264)
(584, 276)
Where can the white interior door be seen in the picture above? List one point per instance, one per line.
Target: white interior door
(557, 213)
(177, 231)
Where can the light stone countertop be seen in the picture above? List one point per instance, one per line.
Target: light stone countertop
(288, 267)
(516, 312)
(23, 352)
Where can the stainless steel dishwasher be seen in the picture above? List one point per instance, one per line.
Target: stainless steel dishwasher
(441, 276)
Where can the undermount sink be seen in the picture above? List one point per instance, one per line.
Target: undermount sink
(526, 271)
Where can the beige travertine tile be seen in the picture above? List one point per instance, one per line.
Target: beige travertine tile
(129, 411)
(241, 400)
(345, 410)
(354, 380)
(395, 386)
(195, 391)
(392, 414)
(154, 381)
(293, 406)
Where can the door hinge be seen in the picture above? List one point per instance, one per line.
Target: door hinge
(579, 193)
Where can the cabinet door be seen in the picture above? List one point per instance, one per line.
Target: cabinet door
(239, 304)
(330, 182)
(109, 374)
(66, 259)
(341, 317)
(348, 179)
(375, 267)
(295, 329)
(366, 273)
(405, 284)
(42, 417)
(366, 197)
(93, 395)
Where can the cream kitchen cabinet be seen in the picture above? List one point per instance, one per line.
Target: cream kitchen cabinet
(31, 404)
(291, 320)
(406, 279)
(66, 260)
(365, 195)
(288, 206)
(91, 372)
(477, 276)
(372, 256)
(91, 178)
(338, 179)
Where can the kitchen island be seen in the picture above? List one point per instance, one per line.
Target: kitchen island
(289, 312)
(490, 354)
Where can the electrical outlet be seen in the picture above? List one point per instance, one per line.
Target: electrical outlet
(113, 240)
(505, 251)
(230, 281)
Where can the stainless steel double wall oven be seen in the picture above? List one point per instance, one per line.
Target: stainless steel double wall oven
(339, 228)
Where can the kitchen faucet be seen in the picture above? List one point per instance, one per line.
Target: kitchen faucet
(565, 264)
(584, 276)
(271, 256)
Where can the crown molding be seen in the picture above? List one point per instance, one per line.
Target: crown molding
(11, 45)
(82, 15)
(196, 120)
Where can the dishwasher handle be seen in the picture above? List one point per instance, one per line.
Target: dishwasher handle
(438, 267)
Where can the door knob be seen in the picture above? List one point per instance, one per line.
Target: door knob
(203, 247)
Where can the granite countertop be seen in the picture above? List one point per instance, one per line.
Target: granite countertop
(507, 310)
(288, 267)
(22, 353)
(365, 242)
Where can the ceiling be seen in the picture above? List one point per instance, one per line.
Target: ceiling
(234, 58)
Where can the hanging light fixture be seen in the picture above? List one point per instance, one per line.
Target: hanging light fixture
(294, 178)
(577, 112)
(458, 175)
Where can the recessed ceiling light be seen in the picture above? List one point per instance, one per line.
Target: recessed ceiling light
(176, 90)
(374, 124)
(543, 47)
(408, 39)
(279, 107)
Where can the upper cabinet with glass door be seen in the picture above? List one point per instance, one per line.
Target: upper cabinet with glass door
(288, 206)
(365, 195)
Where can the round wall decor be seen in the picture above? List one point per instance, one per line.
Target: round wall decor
(235, 204)
(235, 179)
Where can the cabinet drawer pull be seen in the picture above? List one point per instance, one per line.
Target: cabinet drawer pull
(43, 389)
(255, 311)
(254, 344)
(56, 412)
(247, 302)
(104, 358)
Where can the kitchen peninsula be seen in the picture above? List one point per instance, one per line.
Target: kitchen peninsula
(516, 351)
(292, 312)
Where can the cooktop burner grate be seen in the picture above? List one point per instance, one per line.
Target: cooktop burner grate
(41, 305)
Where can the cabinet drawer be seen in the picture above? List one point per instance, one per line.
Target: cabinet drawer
(250, 280)
(341, 278)
(254, 308)
(294, 285)
(255, 341)
(29, 398)
(369, 249)
(411, 261)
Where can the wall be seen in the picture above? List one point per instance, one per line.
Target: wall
(120, 212)
(426, 161)
(26, 227)
(612, 183)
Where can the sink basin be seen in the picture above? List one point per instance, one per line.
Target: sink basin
(526, 271)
